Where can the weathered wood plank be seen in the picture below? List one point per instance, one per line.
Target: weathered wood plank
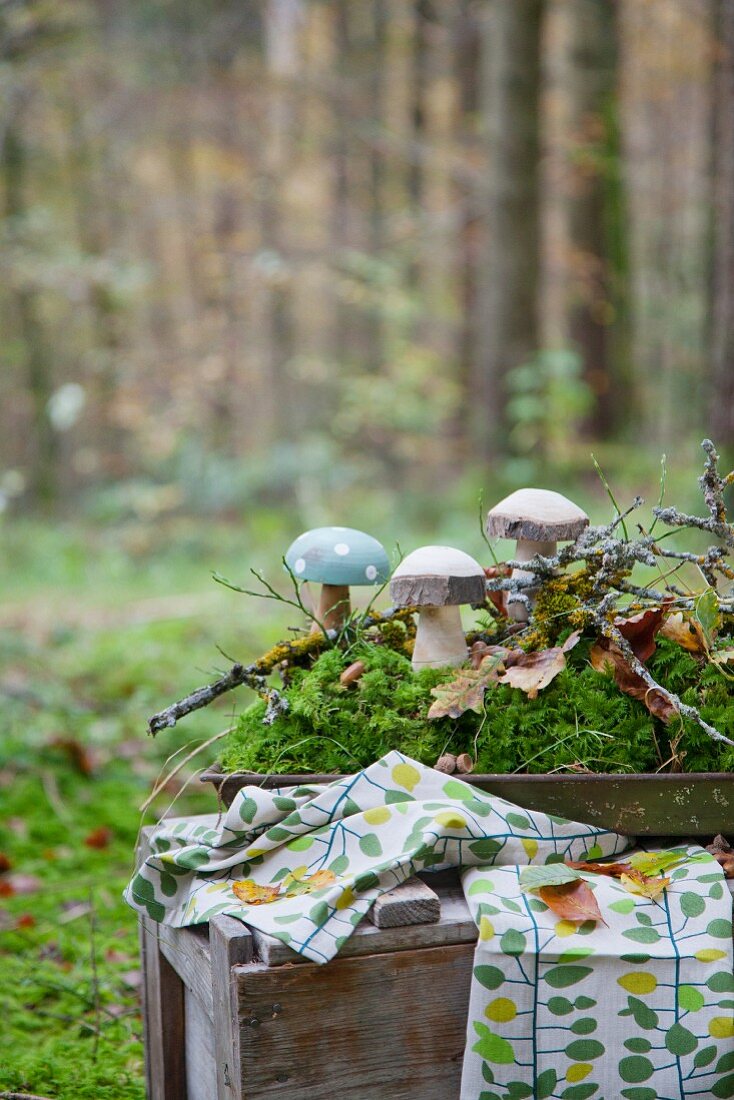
(230, 944)
(386, 1040)
(187, 950)
(454, 925)
(163, 1020)
(200, 1059)
(413, 902)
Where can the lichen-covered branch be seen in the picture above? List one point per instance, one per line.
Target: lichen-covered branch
(255, 675)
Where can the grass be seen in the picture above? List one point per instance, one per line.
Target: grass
(93, 638)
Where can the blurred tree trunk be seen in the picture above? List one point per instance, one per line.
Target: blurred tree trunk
(721, 405)
(580, 283)
(666, 60)
(507, 324)
(24, 297)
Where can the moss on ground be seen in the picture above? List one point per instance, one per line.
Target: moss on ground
(581, 719)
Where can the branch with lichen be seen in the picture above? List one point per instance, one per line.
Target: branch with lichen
(255, 675)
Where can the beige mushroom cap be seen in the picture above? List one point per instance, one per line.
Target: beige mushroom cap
(438, 576)
(539, 515)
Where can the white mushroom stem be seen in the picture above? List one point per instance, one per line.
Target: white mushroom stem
(526, 550)
(440, 638)
(334, 607)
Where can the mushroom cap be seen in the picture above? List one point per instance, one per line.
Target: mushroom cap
(438, 576)
(339, 556)
(536, 514)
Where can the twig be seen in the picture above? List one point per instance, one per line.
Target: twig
(254, 675)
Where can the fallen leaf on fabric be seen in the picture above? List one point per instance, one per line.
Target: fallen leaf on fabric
(306, 884)
(252, 893)
(572, 901)
(607, 657)
(550, 874)
(466, 692)
(654, 863)
(686, 632)
(99, 837)
(613, 870)
(640, 630)
(637, 883)
(531, 672)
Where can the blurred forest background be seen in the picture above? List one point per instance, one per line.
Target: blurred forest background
(290, 250)
(268, 264)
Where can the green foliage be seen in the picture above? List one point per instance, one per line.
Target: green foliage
(581, 718)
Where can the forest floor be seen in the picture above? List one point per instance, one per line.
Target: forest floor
(95, 635)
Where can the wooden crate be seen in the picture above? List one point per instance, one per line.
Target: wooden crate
(233, 1014)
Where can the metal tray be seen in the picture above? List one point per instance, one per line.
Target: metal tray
(688, 804)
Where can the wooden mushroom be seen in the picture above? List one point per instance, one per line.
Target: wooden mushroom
(538, 519)
(437, 580)
(337, 558)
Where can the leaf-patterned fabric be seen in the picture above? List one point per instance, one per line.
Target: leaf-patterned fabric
(656, 984)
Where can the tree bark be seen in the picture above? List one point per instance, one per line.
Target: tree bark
(721, 400)
(507, 325)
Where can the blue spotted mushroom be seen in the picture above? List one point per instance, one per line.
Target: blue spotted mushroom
(337, 558)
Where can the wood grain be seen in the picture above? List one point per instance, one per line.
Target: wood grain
(382, 1027)
(413, 902)
(230, 944)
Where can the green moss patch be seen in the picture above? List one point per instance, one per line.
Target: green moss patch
(581, 720)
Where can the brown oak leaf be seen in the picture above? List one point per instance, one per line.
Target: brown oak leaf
(466, 692)
(640, 630)
(531, 672)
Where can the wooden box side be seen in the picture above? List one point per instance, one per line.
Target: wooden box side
(381, 1027)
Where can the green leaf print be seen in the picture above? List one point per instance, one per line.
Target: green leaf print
(562, 976)
(545, 1084)
(680, 1040)
(493, 1047)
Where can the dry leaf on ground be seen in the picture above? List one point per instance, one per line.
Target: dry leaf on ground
(531, 672)
(605, 656)
(637, 883)
(685, 631)
(466, 692)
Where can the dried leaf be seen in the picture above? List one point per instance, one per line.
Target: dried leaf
(612, 870)
(5, 863)
(640, 630)
(99, 837)
(531, 672)
(685, 631)
(725, 861)
(654, 863)
(466, 692)
(572, 901)
(319, 879)
(722, 656)
(252, 893)
(605, 656)
(498, 598)
(480, 650)
(643, 886)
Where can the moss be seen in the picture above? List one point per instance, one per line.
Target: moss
(580, 719)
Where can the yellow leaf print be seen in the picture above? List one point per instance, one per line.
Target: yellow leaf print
(450, 820)
(405, 775)
(638, 982)
(486, 929)
(710, 954)
(530, 846)
(722, 1027)
(566, 928)
(378, 815)
(501, 1010)
(578, 1071)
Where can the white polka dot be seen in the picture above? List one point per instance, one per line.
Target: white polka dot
(370, 572)
(341, 549)
(299, 566)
